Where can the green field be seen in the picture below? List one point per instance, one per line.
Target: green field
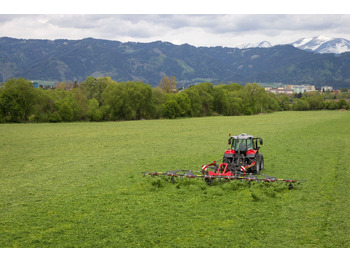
(80, 184)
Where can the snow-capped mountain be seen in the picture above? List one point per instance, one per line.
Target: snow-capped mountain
(323, 44)
(318, 44)
(263, 44)
(337, 46)
(311, 44)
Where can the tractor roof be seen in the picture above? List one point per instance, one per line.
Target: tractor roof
(243, 136)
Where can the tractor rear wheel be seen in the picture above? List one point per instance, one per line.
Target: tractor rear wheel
(257, 164)
(261, 162)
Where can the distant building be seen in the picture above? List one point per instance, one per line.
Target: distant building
(279, 90)
(303, 88)
(326, 88)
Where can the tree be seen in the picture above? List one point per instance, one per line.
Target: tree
(171, 109)
(258, 98)
(94, 113)
(331, 105)
(17, 100)
(195, 101)
(64, 110)
(300, 104)
(141, 96)
(316, 101)
(159, 98)
(81, 101)
(184, 102)
(342, 104)
(284, 102)
(168, 85)
(94, 87)
(220, 100)
(235, 107)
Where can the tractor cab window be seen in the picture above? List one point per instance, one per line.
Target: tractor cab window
(242, 145)
(249, 144)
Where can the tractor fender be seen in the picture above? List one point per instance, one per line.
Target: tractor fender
(252, 153)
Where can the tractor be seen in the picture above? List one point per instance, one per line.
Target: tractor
(244, 154)
(242, 161)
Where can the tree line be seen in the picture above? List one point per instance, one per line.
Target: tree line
(102, 99)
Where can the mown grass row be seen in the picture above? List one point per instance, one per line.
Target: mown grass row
(80, 184)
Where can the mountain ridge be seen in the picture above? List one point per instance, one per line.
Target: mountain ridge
(63, 60)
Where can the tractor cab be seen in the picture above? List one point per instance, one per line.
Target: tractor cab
(244, 143)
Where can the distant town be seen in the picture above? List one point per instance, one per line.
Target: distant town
(292, 89)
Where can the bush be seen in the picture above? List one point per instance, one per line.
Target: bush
(300, 105)
(65, 112)
(171, 109)
(55, 117)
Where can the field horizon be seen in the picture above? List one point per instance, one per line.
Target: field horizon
(80, 184)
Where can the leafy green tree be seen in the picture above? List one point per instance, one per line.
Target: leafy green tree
(204, 91)
(342, 104)
(316, 101)
(128, 101)
(258, 98)
(273, 103)
(43, 107)
(300, 104)
(81, 103)
(220, 100)
(64, 110)
(235, 106)
(195, 101)
(17, 99)
(171, 109)
(331, 105)
(94, 87)
(184, 102)
(55, 117)
(159, 98)
(141, 96)
(94, 113)
(284, 102)
(112, 101)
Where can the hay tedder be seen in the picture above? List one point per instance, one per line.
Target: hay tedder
(242, 161)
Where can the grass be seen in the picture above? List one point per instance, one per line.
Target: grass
(80, 184)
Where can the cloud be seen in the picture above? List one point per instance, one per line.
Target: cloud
(196, 29)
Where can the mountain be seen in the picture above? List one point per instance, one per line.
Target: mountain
(74, 60)
(323, 44)
(336, 46)
(263, 44)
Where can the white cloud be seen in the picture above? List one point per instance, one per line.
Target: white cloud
(199, 30)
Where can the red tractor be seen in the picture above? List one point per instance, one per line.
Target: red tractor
(242, 161)
(244, 154)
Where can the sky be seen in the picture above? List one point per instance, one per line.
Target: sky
(199, 23)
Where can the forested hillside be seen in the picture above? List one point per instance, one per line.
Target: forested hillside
(74, 60)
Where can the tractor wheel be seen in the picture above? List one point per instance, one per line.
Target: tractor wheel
(257, 164)
(261, 162)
